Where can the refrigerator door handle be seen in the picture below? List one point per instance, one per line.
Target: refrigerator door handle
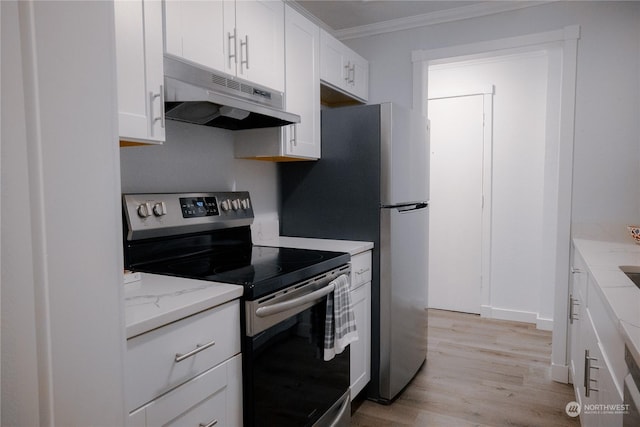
(406, 207)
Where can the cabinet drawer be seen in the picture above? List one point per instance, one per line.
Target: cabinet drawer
(360, 269)
(212, 396)
(150, 362)
(202, 400)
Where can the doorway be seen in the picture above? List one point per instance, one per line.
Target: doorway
(558, 180)
(460, 183)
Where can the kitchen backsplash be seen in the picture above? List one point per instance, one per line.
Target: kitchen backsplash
(199, 158)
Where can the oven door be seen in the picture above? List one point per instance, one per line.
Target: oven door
(287, 382)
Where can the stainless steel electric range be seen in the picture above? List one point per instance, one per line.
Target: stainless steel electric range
(207, 236)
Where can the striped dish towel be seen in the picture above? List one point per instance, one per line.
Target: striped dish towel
(340, 322)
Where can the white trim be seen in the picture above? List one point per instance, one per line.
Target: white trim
(513, 315)
(488, 89)
(433, 18)
(435, 56)
(567, 40)
(544, 324)
(487, 195)
(560, 373)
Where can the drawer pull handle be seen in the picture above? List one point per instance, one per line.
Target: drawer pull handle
(198, 349)
(362, 270)
(211, 424)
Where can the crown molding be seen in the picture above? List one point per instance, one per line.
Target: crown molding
(294, 4)
(449, 15)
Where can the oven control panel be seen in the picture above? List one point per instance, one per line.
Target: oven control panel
(198, 206)
(166, 214)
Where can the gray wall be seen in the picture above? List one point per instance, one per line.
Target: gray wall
(606, 172)
(198, 158)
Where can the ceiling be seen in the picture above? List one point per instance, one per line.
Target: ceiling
(343, 14)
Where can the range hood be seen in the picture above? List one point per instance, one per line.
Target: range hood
(196, 95)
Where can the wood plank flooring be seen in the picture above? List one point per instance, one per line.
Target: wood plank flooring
(479, 372)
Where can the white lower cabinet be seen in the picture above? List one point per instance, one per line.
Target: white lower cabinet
(188, 372)
(360, 355)
(596, 351)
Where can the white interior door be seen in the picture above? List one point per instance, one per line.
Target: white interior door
(456, 220)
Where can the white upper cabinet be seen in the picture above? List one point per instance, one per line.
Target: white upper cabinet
(138, 30)
(243, 38)
(302, 85)
(302, 97)
(343, 69)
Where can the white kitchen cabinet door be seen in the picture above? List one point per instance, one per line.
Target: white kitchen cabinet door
(302, 85)
(243, 39)
(577, 308)
(360, 356)
(138, 30)
(359, 80)
(302, 97)
(343, 69)
(332, 64)
(260, 32)
(202, 32)
(212, 398)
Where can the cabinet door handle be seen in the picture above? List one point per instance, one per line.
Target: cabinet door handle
(572, 312)
(362, 270)
(347, 74)
(294, 135)
(587, 374)
(233, 56)
(180, 357)
(152, 98)
(575, 270)
(352, 75)
(211, 424)
(244, 43)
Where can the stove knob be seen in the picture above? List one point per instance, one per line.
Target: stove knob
(245, 203)
(160, 209)
(235, 204)
(225, 205)
(144, 210)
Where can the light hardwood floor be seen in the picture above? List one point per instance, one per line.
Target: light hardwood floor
(479, 372)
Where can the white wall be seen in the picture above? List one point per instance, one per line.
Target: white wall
(62, 313)
(199, 158)
(518, 176)
(606, 172)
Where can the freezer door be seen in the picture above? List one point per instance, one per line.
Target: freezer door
(404, 155)
(403, 296)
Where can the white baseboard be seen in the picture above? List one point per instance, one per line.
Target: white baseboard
(544, 324)
(516, 316)
(560, 373)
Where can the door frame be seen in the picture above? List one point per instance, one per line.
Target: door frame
(487, 92)
(566, 40)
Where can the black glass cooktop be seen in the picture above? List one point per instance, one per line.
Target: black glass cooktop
(260, 269)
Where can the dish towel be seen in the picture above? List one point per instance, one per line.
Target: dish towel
(340, 322)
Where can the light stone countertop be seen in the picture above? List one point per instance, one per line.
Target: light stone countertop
(158, 300)
(352, 247)
(621, 296)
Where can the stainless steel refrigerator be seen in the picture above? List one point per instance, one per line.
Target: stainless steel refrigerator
(372, 183)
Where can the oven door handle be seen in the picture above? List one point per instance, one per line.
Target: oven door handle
(279, 307)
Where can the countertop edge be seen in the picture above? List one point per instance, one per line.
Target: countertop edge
(353, 247)
(629, 331)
